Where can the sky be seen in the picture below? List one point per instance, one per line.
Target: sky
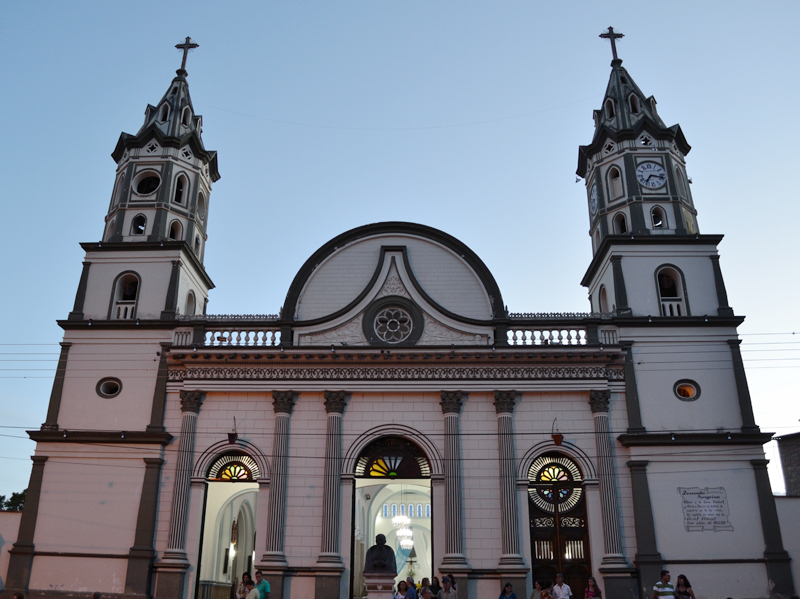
(464, 116)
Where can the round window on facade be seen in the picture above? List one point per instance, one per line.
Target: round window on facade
(686, 390)
(393, 321)
(109, 387)
(146, 183)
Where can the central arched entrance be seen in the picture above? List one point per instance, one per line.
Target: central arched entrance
(229, 525)
(393, 498)
(559, 531)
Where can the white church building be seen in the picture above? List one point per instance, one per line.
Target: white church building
(395, 394)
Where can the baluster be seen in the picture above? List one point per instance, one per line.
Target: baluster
(273, 340)
(513, 335)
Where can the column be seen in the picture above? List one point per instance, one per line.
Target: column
(599, 401)
(327, 583)
(171, 576)
(335, 402)
(778, 560)
(742, 389)
(504, 402)
(140, 556)
(274, 556)
(453, 538)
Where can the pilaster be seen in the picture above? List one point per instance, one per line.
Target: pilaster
(330, 551)
(454, 558)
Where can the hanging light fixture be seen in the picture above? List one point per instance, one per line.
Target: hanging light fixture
(400, 522)
(406, 543)
(405, 533)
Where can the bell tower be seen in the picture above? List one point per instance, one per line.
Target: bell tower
(638, 194)
(149, 263)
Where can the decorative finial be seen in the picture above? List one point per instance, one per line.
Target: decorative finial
(612, 36)
(186, 46)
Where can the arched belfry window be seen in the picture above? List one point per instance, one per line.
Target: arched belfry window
(615, 188)
(164, 112)
(187, 116)
(620, 224)
(190, 304)
(634, 104)
(659, 217)
(181, 188)
(392, 457)
(175, 230)
(234, 468)
(610, 110)
(139, 224)
(670, 292)
(126, 293)
(558, 520)
(603, 297)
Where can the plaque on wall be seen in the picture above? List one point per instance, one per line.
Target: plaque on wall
(705, 509)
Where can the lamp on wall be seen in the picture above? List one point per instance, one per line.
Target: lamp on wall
(557, 436)
(233, 435)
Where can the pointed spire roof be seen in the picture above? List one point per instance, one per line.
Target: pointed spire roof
(172, 122)
(626, 113)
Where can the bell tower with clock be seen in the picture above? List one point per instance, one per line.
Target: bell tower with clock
(638, 194)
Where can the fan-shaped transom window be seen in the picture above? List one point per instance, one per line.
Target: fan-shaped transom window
(555, 481)
(391, 457)
(233, 468)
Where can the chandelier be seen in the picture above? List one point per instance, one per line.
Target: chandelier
(405, 533)
(406, 543)
(401, 522)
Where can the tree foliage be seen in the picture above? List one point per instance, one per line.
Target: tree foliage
(14, 504)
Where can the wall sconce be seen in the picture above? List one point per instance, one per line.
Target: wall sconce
(557, 436)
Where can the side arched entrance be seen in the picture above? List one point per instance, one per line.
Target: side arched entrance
(558, 521)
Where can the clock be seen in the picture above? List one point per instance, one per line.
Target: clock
(651, 175)
(593, 199)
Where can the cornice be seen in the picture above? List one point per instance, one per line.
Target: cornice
(684, 438)
(120, 437)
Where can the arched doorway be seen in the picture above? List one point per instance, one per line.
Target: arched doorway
(559, 531)
(229, 525)
(393, 498)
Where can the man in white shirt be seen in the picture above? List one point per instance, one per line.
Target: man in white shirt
(252, 591)
(561, 590)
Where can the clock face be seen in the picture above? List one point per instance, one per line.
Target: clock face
(593, 199)
(651, 175)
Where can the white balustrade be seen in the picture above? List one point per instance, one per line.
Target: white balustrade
(547, 337)
(609, 336)
(672, 307)
(242, 337)
(124, 310)
(182, 337)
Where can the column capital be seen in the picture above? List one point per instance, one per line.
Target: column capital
(283, 401)
(335, 401)
(451, 402)
(504, 401)
(760, 463)
(598, 400)
(191, 400)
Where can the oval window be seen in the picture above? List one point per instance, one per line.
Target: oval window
(148, 184)
(109, 387)
(687, 390)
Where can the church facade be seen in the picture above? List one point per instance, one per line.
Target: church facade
(395, 395)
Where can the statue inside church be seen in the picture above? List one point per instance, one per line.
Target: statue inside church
(380, 558)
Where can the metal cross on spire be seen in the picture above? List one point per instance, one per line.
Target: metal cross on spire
(610, 35)
(186, 46)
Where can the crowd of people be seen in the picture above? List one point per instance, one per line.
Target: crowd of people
(427, 588)
(253, 589)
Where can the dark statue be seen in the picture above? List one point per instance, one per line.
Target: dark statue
(380, 558)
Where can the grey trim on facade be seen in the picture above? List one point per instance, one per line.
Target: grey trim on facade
(742, 389)
(160, 393)
(620, 293)
(648, 560)
(141, 555)
(171, 304)
(21, 558)
(722, 294)
(684, 438)
(778, 561)
(51, 423)
(635, 424)
(80, 295)
(633, 240)
(119, 437)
